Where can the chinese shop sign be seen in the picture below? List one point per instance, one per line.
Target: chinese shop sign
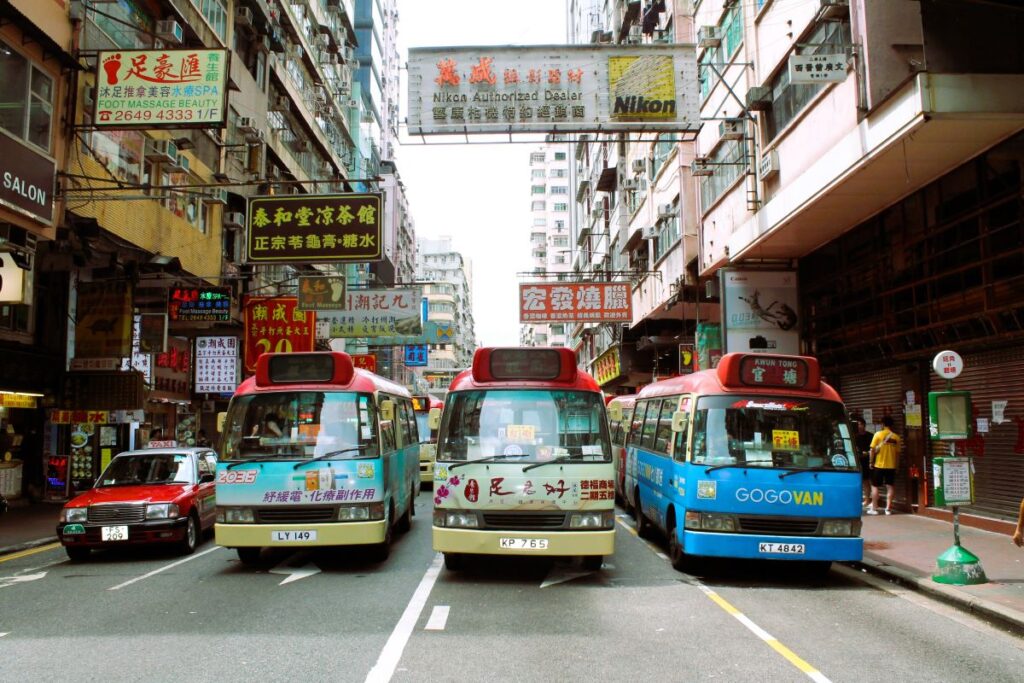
(817, 68)
(172, 371)
(216, 365)
(543, 89)
(141, 361)
(366, 361)
(377, 313)
(575, 302)
(315, 228)
(161, 88)
(416, 356)
(607, 366)
(321, 293)
(199, 304)
(275, 324)
(103, 327)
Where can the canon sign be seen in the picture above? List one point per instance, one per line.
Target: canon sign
(780, 497)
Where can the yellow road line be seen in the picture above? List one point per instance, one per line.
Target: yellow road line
(30, 551)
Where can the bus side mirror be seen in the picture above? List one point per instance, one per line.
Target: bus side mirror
(434, 418)
(221, 419)
(615, 412)
(679, 420)
(387, 410)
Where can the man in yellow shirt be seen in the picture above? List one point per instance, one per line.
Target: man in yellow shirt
(885, 455)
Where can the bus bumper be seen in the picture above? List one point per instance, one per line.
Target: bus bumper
(262, 535)
(426, 471)
(752, 546)
(489, 542)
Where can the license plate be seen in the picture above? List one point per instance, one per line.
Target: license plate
(293, 536)
(781, 548)
(74, 529)
(523, 543)
(114, 533)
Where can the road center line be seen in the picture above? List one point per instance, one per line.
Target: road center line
(163, 569)
(384, 669)
(438, 618)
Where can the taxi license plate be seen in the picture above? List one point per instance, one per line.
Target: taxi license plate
(781, 548)
(523, 543)
(114, 533)
(293, 536)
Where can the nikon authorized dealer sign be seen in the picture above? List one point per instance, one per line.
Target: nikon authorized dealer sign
(571, 88)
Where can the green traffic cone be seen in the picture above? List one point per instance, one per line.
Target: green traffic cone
(959, 567)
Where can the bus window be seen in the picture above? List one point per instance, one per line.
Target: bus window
(663, 436)
(637, 423)
(387, 433)
(403, 417)
(650, 425)
(679, 447)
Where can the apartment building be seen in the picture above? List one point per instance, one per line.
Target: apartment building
(447, 280)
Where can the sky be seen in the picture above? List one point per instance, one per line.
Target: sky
(479, 194)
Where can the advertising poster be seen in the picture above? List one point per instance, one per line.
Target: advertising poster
(558, 302)
(759, 311)
(104, 325)
(315, 228)
(216, 365)
(377, 313)
(275, 324)
(607, 366)
(709, 345)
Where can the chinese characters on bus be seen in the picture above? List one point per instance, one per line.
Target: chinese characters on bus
(575, 302)
(275, 324)
(315, 228)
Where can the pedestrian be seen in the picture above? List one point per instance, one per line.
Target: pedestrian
(883, 459)
(862, 442)
(1018, 534)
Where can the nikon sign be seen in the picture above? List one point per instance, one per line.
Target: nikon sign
(563, 88)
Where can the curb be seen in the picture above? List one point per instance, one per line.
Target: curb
(986, 609)
(28, 545)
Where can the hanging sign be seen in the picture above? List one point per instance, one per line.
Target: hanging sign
(607, 366)
(817, 68)
(948, 364)
(104, 325)
(416, 356)
(321, 293)
(315, 228)
(377, 313)
(366, 361)
(275, 324)
(216, 365)
(575, 302)
(199, 304)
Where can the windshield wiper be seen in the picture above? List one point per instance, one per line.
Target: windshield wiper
(818, 468)
(489, 458)
(553, 461)
(729, 464)
(262, 458)
(329, 454)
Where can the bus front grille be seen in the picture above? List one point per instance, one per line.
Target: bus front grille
(783, 526)
(296, 515)
(524, 521)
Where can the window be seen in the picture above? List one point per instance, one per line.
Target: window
(537, 189)
(668, 233)
(559, 225)
(537, 173)
(560, 241)
(732, 31)
(663, 436)
(537, 206)
(704, 73)
(540, 222)
(537, 158)
(730, 153)
(662, 149)
(679, 448)
(26, 104)
(216, 14)
(732, 36)
(650, 425)
(559, 156)
(559, 189)
(637, 424)
(559, 173)
(560, 207)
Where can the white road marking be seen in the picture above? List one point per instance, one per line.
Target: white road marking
(163, 569)
(560, 575)
(4, 634)
(6, 581)
(384, 669)
(438, 618)
(294, 573)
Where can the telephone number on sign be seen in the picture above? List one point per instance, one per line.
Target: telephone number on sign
(127, 115)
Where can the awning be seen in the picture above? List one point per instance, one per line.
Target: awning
(8, 13)
(608, 180)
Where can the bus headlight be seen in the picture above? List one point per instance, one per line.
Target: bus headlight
(235, 516)
(161, 511)
(840, 527)
(709, 521)
(353, 513)
(455, 519)
(376, 510)
(592, 520)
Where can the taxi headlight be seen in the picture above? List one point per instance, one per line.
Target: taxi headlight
(353, 513)
(840, 527)
(74, 515)
(455, 519)
(592, 520)
(714, 522)
(161, 511)
(235, 516)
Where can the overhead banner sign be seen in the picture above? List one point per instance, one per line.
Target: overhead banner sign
(557, 302)
(759, 311)
(321, 293)
(172, 371)
(315, 228)
(571, 88)
(366, 361)
(433, 333)
(607, 366)
(103, 327)
(416, 356)
(377, 313)
(184, 88)
(275, 324)
(216, 365)
(139, 361)
(817, 68)
(199, 304)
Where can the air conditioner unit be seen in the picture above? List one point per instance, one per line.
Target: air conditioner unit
(254, 138)
(635, 35)
(348, 53)
(597, 212)
(295, 52)
(639, 165)
(699, 167)
(731, 129)
(628, 184)
(216, 197)
(649, 232)
(170, 31)
(301, 145)
(666, 210)
(243, 17)
(769, 164)
(234, 220)
(758, 98)
(352, 104)
(161, 150)
(833, 9)
(332, 58)
(709, 36)
(181, 164)
(247, 125)
(280, 103)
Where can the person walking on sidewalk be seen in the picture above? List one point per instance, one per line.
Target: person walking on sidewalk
(1018, 534)
(862, 440)
(884, 457)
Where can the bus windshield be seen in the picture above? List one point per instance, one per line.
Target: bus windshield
(781, 432)
(300, 425)
(423, 428)
(530, 425)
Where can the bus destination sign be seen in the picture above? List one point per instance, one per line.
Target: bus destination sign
(773, 371)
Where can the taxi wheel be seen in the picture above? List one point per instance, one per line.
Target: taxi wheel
(453, 562)
(250, 557)
(77, 553)
(191, 539)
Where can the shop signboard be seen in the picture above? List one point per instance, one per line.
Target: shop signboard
(139, 361)
(315, 228)
(594, 302)
(180, 88)
(216, 365)
(819, 68)
(78, 416)
(172, 371)
(199, 304)
(416, 356)
(103, 327)
(686, 358)
(377, 313)
(759, 311)
(152, 332)
(26, 180)
(12, 281)
(607, 366)
(366, 361)
(561, 88)
(10, 399)
(321, 293)
(275, 324)
(433, 333)
(709, 345)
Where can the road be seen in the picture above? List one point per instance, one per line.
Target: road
(312, 614)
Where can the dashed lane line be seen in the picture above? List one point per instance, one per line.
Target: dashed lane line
(438, 618)
(163, 569)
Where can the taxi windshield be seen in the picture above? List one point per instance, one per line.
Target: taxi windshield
(154, 468)
(299, 425)
(525, 426)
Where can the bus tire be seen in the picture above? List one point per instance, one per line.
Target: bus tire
(454, 562)
(250, 557)
(405, 521)
(382, 550)
(817, 569)
(592, 563)
(681, 562)
(644, 529)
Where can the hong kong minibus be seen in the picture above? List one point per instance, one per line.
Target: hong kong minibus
(422, 405)
(620, 415)
(315, 452)
(524, 462)
(753, 459)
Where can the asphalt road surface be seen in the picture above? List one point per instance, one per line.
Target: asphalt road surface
(131, 615)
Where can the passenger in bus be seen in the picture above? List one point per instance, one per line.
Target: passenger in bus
(271, 426)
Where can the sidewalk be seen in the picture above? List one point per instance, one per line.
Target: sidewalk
(26, 525)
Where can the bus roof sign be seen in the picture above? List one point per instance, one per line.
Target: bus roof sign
(332, 367)
(770, 371)
(511, 364)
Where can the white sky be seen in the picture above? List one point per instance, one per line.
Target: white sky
(479, 194)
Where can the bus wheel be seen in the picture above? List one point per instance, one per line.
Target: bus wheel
(382, 550)
(453, 562)
(643, 527)
(680, 560)
(817, 569)
(405, 522)
(592, 563)
(250, 557)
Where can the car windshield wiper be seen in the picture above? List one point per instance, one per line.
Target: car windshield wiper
(329, 454)
(819, 468)
(489, 458)
(262, 458)
(553, 461)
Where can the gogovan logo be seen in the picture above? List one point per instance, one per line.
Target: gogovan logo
(642, 87)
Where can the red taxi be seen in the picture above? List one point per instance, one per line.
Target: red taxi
(156, 495)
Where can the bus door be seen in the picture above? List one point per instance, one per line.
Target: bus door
(656, 474)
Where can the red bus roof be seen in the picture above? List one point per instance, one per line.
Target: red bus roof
(746, 373)
(625, 399)
(342, 377)
(489, 371)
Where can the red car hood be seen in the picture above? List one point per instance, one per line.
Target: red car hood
(160, 493)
